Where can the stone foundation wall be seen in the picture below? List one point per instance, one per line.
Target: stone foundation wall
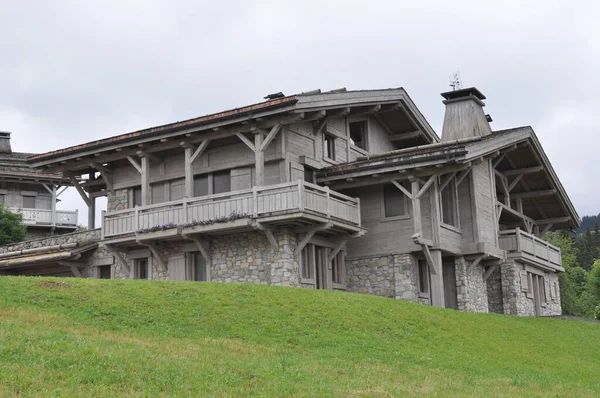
(118, 200)
(92, 235)
(393, 275)
(494, 292)
(517, 302)
(470, 288)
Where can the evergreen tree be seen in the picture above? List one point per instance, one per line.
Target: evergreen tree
(11, 226)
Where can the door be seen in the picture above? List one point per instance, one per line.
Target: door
(322, 268)
(449, 277)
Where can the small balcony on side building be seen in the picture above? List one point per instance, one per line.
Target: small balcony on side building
(45, 218)
(529, 249)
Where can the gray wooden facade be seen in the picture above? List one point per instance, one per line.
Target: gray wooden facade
(324, 186)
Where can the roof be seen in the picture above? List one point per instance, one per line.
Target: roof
(14, 166)
(453, 152)
(44, 255)
(310, 101)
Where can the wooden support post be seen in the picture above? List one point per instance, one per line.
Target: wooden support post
(189, 175)
(145, 180)
(416, 205)
(339, 246)
(259, 157)
(53, 204)
(437, 279)
(92, 213)
(489, 272)
(80, 190)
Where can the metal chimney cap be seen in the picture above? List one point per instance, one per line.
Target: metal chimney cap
(463, 93)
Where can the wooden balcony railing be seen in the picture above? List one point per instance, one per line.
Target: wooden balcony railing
(43, 217)
(258, 202)
(522, 245)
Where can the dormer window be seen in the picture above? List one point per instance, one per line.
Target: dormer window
(358, 133)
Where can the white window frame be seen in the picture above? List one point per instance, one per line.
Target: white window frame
(405, 213)
(456, 222)
(327, 135)
(365, 133)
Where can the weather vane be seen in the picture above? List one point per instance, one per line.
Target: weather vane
(455, 82)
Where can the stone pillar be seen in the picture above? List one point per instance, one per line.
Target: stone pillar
(285, 269)
(471, 289)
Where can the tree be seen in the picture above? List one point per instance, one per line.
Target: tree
(11, 226)
(594, 281)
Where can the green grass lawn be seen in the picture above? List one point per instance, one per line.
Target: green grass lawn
(88, 337)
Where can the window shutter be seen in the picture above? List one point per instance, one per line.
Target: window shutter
(241, 178)
(177, 190)
(177, 267)
(524, 282)
(158, 193)
(201, 185)
(221, 182)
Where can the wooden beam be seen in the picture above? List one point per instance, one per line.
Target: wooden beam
(259, 160)
(319, 126)
(547, 228)
(497, 161)
(426, 186)
(475, 263)
(203, 247)
(144, 154)
(246, 141)
(489, 272)
(557, 220)
(270, 136)
(106, 175)
(198, 152)
(446, 181)
(462, 176)
(430, 261)
(309, 235)
(47, 188)
(269, 234)
(118, 256)
(514, 182)
(416, 207)
(135, 164)
(145, 181)
(335, 251)
(370, 110)
(405, 136)
(402, 189)
(526, 170)
(162, 262)
(81, 192)
(534, 194)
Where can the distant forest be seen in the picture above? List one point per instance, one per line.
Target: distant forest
(580, 284)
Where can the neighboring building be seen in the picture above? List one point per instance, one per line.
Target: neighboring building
(33, 193)
(344, 190)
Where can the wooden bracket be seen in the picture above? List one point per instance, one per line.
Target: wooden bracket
(475, 263)
(274, 130)
(156, 254)
(198, 152)
(335, 251)
(269, 234)
(203, 247)
(73, 268)
(106, 175)
(489, 272)
(425, 244)
(118, 256)
(81, 192)
(402, 189)
(135, 164)
(246, 141)
(426, 186)
(462, 176)
(309, 235)
(150, 156)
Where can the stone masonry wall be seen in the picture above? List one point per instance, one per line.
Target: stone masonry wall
(394, 275)
(470, 288)
(92, 235)
(494, 292)
(118, 201)
(516, 301)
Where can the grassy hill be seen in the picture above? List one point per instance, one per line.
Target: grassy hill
(86, 337)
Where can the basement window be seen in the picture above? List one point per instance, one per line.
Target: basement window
(423, 277)
(104, 272)
(196, 270)
(307, 264)
(358, 134)
(337, 270)
(393, 202)
(328, 146)
(141, 269)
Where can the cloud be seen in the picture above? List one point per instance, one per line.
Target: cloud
(77, 71)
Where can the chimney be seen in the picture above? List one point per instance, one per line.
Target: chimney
(464, 115)
(5, 142)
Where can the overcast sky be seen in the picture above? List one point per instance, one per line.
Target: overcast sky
(76, 71)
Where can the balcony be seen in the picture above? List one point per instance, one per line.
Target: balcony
(288, 203)
(527, 248)
(43, 217)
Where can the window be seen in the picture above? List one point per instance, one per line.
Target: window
(104, 272)
(221, 182)
(201, 185)
(358, 133)
(309, 175)
(29, 202)
(328, 146)
(137, 196)
(393, 201)
(2, 198)
(423, 277)
(337, 269)
(197, 267)
(542, 289)
(449, 203)
(307, 263)
(141, 269)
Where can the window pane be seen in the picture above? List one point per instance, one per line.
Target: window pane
(423, 277)
(201, 185)
(308, 174)
(177, 189)
(448, 195)
(306, 260)
(358, 132)
(221, 182)
(199, 273)
(329, 146)
(393, 201)
(137, 196)
(105, 272)
(158, 192)
(29, 202)
(2, 198)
